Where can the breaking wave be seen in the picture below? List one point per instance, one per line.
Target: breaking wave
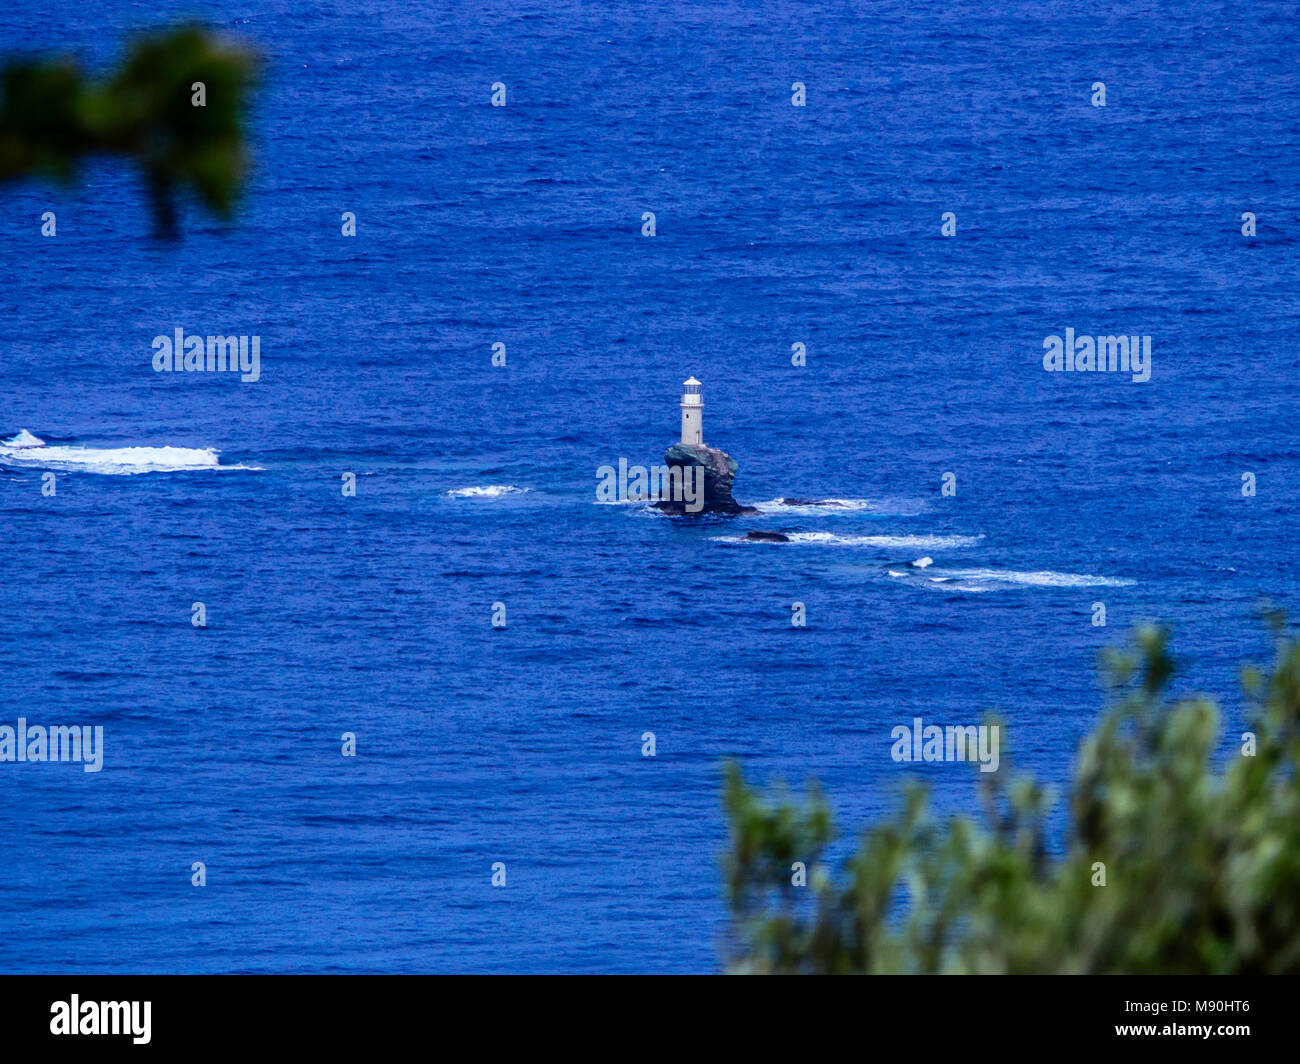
(27, 450)
(486, 491)
(886, 542)
(978, 580)
(829, 507)
(878, 542)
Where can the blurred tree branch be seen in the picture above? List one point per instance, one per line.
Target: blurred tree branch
(1201, 865)
(52, 116)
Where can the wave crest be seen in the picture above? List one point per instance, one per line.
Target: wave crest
(830, 507)
(980, 580)
(919, 542)
(486, 491)
(29, 450)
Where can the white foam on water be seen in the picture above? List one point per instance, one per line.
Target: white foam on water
(821, 507)
(922, 542)
(487, 491)
(26, 449)
(982, 580)
(24, 439)
(831, 539)
(1045, 578)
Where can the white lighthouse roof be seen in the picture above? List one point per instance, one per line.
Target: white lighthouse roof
(692, 380)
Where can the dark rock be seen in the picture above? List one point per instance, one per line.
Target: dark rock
(719, 471)
(768, 537)
(810, 502)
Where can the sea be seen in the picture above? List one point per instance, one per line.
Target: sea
(372, 661)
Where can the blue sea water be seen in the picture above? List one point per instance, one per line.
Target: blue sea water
(521, 224)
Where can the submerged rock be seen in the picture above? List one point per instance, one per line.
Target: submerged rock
(768, 537)
(719, 471)
(811, 502)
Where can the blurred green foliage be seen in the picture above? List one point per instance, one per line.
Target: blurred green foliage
(52, 115)
(1202, 866)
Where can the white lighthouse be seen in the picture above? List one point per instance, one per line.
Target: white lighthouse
(692, 413)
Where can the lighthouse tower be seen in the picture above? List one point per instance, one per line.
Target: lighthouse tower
(692, 413)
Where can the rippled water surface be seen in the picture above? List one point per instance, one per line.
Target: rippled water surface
(775, 225)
